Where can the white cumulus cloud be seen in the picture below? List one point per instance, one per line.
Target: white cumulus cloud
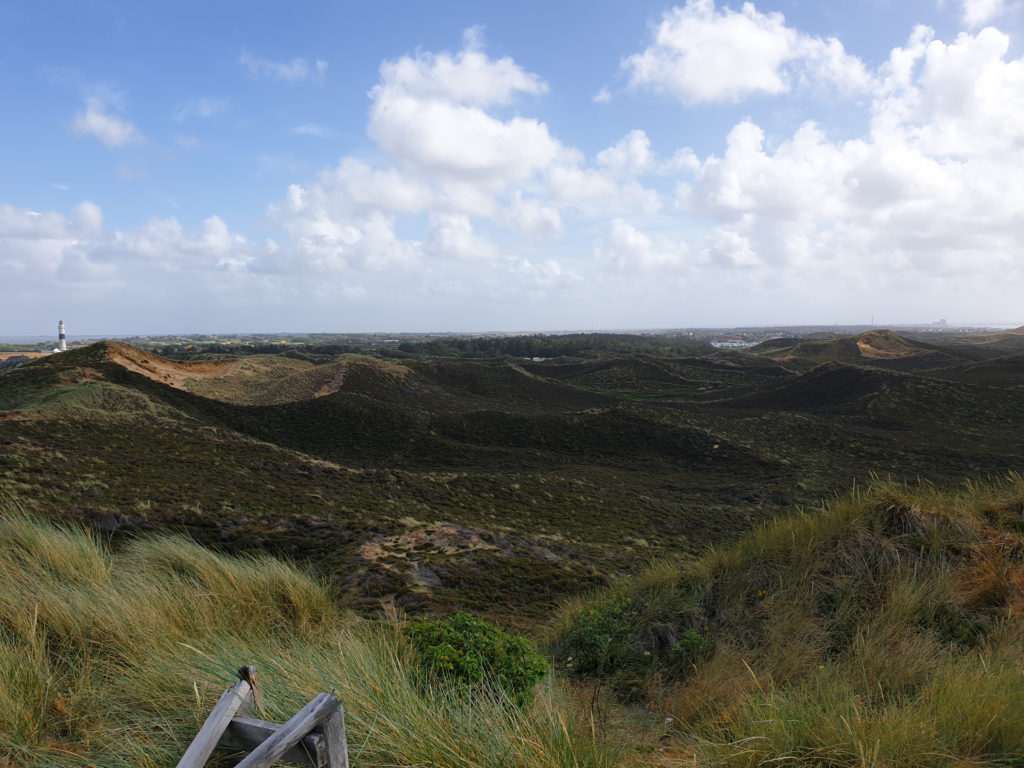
(88, 219)
(94, 120)
(469, 77)
(978, 12)
(703, 54)
(531, 217)
(957, 99)
(630, 157)
(331, 233)
(596, 192)
(934, 189)
(40, 248)
(628, 250)
(167, 247)
(451, 235)
(429, 113)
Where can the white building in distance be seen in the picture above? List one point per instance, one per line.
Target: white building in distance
(62, 344)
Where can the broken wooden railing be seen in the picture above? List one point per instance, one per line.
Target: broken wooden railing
(314, 737)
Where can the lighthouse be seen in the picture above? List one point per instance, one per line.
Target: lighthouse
(63, 345)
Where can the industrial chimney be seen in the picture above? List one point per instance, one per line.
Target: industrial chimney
(63, 346)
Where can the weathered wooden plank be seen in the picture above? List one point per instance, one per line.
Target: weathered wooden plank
(306, 719)
(247, 733)
(248, 673)
(335, 742)
(205, 742)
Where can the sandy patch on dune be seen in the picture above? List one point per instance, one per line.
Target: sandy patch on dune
(882, 348)
(447, 539)
(165, 371)
(275, 380)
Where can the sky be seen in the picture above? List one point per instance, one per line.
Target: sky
(375, 165)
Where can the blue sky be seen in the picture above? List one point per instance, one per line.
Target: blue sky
(508, 166)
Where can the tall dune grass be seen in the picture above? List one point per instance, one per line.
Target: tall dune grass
(886, 629)
(115, 658)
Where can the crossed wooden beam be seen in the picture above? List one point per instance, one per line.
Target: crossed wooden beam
(314, 737)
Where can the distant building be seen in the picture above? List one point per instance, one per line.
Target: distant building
(731, 342)
(62, 339)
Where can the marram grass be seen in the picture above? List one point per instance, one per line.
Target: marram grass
(115, 658)
(886, 629)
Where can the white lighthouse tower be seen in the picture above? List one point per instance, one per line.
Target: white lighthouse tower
(62, 346)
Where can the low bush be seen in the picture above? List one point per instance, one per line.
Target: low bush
(597, 641)
(691, 647)
(471, 652)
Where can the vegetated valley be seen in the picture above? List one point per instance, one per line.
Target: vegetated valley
(573, 499)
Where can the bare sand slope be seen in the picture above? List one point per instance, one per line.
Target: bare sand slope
(263, 379)
(882, 345)
(161, 369)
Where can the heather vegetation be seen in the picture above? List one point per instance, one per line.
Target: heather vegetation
(629, 508)
(498, 486)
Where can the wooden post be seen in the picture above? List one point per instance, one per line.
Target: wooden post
(248, 673)
(335, 741)
(314, 737)
(305, 720)
(206, 740)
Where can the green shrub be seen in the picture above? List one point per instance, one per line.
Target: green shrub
(470, 651)
(597, 641)
(692, 646)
